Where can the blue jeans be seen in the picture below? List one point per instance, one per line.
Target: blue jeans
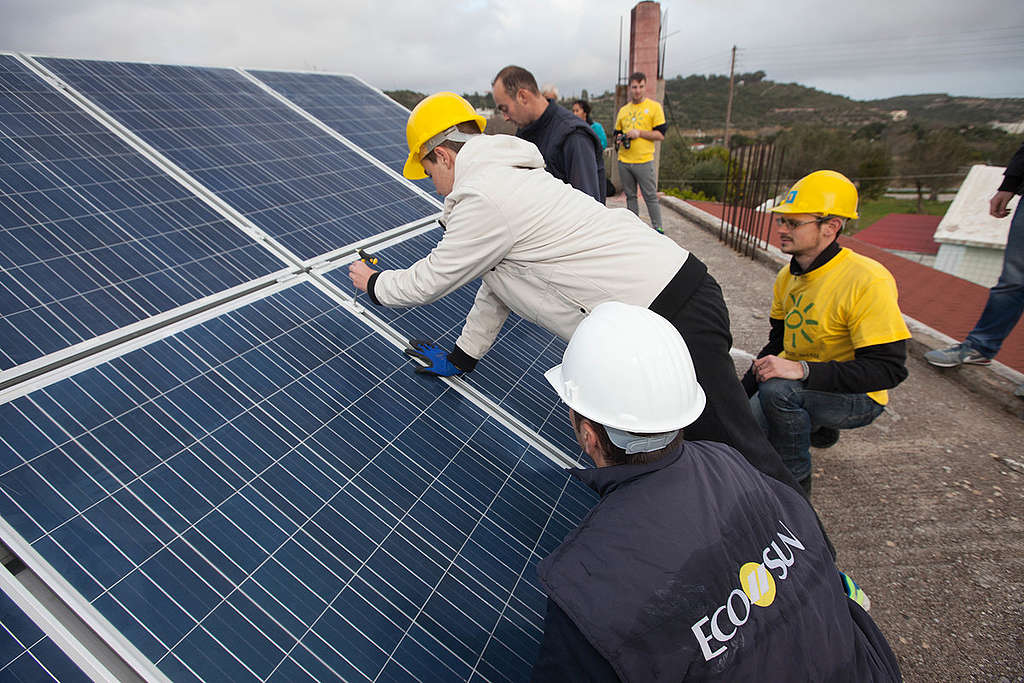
(632, 175)
(1006, 299)
(788, 412)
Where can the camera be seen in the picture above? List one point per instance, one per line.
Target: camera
(624, 139)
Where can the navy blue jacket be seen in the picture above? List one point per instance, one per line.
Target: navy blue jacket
(699, 567)
(572, 153)
(1013, 176)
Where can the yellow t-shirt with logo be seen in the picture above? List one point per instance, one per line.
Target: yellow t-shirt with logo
(848, 303)
(645, 116)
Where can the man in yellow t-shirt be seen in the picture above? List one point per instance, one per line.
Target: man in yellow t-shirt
(837, 340)
(640, 123)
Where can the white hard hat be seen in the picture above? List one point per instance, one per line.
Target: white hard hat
(628, 368)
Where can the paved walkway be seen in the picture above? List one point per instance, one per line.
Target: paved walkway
(925, 505)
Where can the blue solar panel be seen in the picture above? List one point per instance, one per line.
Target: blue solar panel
(512, 372)
(285, 174)
(274, 495)
(27, 654)
(365, 116)
(93, 236)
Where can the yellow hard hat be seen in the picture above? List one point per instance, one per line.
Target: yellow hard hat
(431, 117)
(827, 193)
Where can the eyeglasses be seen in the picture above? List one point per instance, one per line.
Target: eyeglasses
(790, 225)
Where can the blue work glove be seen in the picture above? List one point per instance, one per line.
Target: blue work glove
(435, 357)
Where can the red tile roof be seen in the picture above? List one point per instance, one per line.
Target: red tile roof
(942, 301)
(903, 232)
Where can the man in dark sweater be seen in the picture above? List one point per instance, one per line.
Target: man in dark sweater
(1006, 299)
(837, 339)
(571, 150)
(693, 565)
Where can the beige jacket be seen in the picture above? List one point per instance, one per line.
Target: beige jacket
(545, 250)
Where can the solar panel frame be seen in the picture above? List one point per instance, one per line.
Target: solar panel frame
(526, 600)
(43, 649)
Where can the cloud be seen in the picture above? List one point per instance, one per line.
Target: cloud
(864, 48)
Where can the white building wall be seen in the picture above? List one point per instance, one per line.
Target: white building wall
(979, 265)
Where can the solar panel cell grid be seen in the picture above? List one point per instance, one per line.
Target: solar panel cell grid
(293, 180)
(93, 237)
(512, 372)
(365, 116)
(245, 504)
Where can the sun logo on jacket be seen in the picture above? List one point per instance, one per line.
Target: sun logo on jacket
(798, 318)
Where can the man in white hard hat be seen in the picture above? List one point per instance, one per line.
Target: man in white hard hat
(551, 254)
(693, 564)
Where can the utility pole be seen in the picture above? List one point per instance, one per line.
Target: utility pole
(728, 108)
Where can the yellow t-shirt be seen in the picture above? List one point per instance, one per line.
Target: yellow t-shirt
(645, 116)
(848, 303)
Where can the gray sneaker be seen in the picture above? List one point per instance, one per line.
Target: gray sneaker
(958, 354)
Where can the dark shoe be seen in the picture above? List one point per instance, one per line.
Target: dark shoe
(805, 484)
(824, 437)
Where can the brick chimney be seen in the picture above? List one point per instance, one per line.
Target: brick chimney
(644, 36)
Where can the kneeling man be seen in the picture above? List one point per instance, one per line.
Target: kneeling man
(693, 564)
(837, 338)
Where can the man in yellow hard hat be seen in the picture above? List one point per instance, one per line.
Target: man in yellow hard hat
(837, 340)
(551, 254)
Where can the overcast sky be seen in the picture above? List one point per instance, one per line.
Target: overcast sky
(864, 49)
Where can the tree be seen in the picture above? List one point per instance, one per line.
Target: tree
(933, 157)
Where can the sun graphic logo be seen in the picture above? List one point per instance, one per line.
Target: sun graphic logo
(757, 583)
(799, 317)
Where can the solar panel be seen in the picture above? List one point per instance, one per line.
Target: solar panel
(292, 179)
(272, 494)
(27, 654)
(512, 372)
(94, 237)
(362, 114)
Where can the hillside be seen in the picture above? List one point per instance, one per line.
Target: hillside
(699, 102)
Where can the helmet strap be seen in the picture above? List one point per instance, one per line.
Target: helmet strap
(451, 133)
(642, 443)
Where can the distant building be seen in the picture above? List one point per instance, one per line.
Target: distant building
(971, 242)
(898, 114)
(1011, 128)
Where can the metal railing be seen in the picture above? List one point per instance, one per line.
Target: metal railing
(753, 179)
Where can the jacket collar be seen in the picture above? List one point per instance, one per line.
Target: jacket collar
(604, 480)
(542, 121)
(829, 253)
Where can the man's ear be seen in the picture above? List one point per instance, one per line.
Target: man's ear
(834, 226)
(523, 96)
(445, 156)
(590, 442)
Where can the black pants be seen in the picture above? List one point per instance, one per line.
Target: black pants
(693, 303)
